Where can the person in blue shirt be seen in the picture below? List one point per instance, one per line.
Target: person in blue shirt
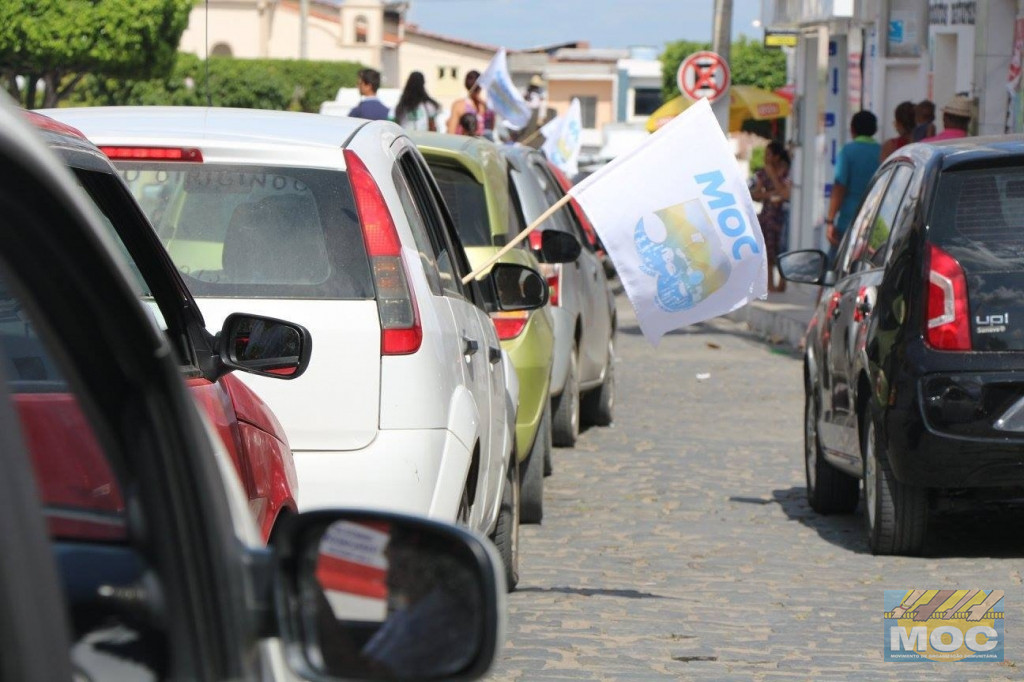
(856, 163)
(370, 107)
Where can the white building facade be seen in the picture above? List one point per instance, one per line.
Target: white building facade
(874, 54)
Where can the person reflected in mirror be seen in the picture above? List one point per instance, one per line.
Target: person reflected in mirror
(856, 163)
(772, 188)
(434, 611)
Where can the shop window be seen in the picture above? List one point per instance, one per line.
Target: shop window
(646, 101)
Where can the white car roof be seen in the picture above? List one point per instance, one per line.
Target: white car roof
(225, 134)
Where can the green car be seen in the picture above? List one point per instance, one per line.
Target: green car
(474, 179)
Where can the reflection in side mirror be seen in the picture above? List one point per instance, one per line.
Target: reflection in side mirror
(559, 247)
(385, 597)
(803, 267)
(265, 346)
(519, 287)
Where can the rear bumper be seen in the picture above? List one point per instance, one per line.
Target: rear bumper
(960, 432)
(419, 471)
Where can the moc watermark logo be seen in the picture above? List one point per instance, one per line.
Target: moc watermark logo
(943, 625)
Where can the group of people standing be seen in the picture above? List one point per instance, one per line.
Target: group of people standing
(417, 110)
(856, 163)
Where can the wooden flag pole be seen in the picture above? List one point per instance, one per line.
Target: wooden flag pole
(518, 238)
(529, 138)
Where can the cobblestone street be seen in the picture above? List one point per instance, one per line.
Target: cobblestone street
(677, 544)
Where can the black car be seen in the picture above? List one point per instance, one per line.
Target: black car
(175, 582)
(913, 368)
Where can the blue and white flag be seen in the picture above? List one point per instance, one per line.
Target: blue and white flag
(678, 222)
(502, 94)
(563, 139)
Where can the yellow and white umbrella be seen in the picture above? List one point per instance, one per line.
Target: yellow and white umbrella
(745, 103)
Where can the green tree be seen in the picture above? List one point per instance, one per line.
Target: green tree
(749, 62)
(48, 46)
(245, 83)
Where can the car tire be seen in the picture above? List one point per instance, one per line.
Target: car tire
(506, 530)
(531, 473)
(565, 421)
(599, 405)
(895, 514)
(829, 490)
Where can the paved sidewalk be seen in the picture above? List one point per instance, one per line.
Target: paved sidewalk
(781, 319)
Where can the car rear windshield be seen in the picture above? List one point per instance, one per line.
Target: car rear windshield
(467, 203)
(978, 216)
(256, 231)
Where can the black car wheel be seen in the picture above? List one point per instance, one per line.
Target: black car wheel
(829, 491)
(599, 404)
(896, 514)
(565, 425)
(531, 473)
(506, 530)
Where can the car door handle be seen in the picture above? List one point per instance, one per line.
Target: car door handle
(470, 347)
(494, 355)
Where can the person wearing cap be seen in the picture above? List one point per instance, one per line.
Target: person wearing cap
(956, 116)
(535, 92)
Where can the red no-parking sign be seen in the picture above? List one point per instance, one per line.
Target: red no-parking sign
(703, 74)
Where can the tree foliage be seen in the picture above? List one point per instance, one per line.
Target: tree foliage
(55, 43)
(244, 83)
(749, 61)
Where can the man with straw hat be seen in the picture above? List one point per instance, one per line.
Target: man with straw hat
(956, 116)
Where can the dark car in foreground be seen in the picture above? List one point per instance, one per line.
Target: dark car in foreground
(186, 588)
(914, 356)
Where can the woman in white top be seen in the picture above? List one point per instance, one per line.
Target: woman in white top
(416, 110)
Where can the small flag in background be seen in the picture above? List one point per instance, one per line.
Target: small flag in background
(502, 94)
(563, 139)
(677, 220)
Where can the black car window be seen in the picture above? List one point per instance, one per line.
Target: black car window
(467, 204)
(978, 216)
(428, 248)
(255, 231)
(862, 222)
(426, 214)
(874, 238)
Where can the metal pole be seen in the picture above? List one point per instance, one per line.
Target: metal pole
(304, 29)
(721, 44)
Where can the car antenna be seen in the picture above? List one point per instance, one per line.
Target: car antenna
(209, 93)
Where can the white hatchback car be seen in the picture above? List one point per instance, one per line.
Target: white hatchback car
(408, 403)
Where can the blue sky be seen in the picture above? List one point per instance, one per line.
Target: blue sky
(605, 23)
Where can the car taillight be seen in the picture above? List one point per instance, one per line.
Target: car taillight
(536, 240)
(510, 324)
(946, 321)
(553, 289)
(190, 154)
(401, 333)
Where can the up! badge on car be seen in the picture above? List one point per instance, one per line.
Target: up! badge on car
(689, 262)
(946, 626)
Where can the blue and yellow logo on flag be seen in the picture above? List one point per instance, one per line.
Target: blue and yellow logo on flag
(943, 625)
(689, 263)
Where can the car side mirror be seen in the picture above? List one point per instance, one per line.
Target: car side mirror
(264, 346)
(559, 247)
(804, 267)
(518, 287)
(381, 596)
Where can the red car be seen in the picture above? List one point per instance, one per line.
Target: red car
(73, 473)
